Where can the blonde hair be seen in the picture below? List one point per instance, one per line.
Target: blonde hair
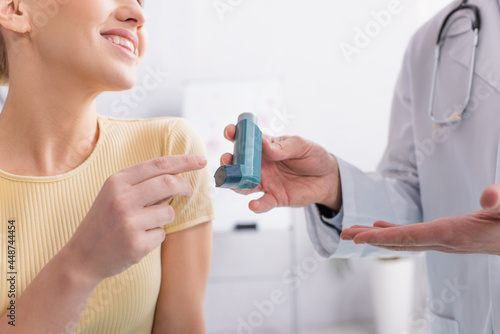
(4, 64)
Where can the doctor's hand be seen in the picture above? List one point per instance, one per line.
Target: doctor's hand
(295, 173)
(475, 233)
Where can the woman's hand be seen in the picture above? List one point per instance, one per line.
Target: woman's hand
(475, 233)
(295, 173)
(123, 224)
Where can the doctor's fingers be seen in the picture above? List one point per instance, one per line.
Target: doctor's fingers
(229, 132)
(247, 191)
(274, 148)
(384, 224)
(436, 248)
(490, 199)
(226, 159)
(457, 248)
(264, 204)
(423, 234)
(284, 148)
(351, 232)
(267, 149)
(160, 188)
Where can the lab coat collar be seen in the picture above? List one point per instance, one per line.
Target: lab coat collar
(488, 51)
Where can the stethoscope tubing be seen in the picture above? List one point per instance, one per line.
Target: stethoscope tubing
(476, 26)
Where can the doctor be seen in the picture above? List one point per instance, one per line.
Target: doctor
(440, 167)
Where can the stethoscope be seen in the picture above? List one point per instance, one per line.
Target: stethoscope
(455, 117)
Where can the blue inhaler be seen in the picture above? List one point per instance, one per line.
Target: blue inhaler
(244, 173)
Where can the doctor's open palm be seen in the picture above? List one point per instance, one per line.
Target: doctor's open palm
(295, 173)
(474, 233)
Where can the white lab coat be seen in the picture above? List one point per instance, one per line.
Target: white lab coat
(426, 174)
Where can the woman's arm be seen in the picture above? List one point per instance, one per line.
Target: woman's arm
(185, 260)
(120, 229)
(54, 301)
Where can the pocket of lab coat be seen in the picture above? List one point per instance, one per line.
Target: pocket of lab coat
(460, 50)
(441, 325)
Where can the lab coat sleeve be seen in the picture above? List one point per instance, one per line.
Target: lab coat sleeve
(324, 232)
(391, 193)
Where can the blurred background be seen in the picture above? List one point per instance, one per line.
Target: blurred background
(321, 69)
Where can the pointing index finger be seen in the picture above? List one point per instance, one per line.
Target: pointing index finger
(173, 164)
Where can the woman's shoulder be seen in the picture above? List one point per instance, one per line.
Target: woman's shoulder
(165, 124)
(175, 133)
(162, 120)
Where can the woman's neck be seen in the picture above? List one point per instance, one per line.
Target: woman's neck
(46, 134)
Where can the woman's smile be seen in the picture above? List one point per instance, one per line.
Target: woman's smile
(124, 40)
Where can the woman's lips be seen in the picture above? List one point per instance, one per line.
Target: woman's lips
(120, 41)
(124, 38)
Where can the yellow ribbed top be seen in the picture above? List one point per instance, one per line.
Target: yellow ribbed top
(48, 209)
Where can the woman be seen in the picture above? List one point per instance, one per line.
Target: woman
(86, 200)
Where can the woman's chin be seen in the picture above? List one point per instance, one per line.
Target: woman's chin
(122, 85)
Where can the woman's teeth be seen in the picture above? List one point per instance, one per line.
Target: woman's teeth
(123, 42)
